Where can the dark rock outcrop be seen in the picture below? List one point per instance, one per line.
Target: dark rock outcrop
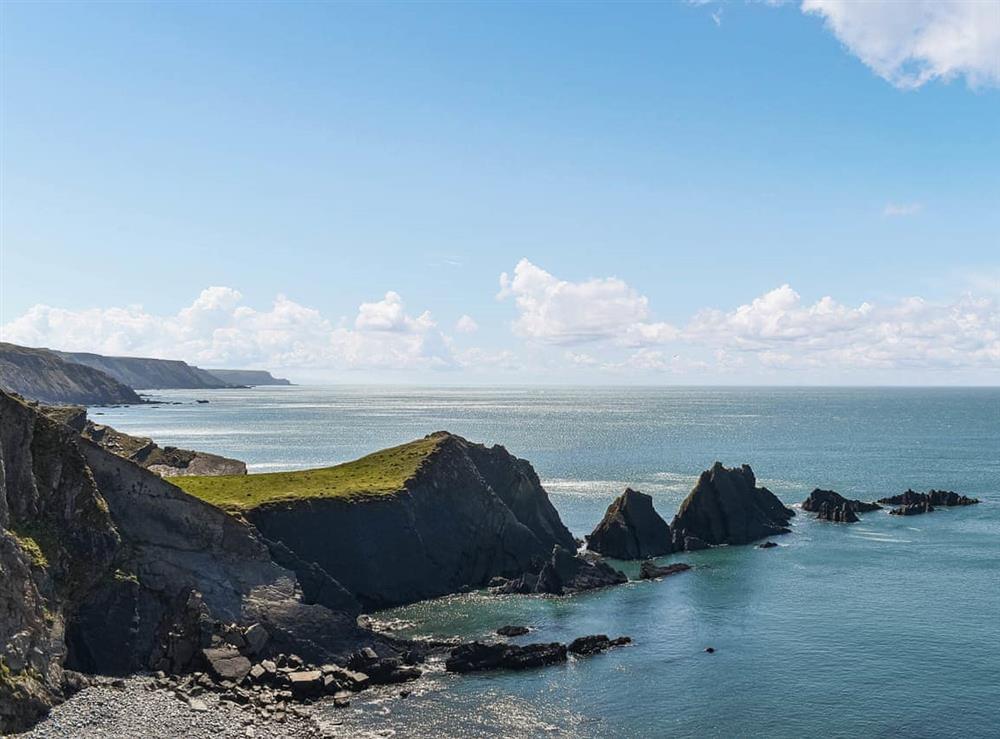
(108, 568)
(38, 374)
(831, 506)
(913, 509)
(165, 461)
(727, 507)
(631, 529)
(649, 570)
(767, 545)
(477, 656)
(469, 513)
(587, 645)
(565, 573)
(942, 498)
(512, 630)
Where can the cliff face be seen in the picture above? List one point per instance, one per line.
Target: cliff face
(631, 529)
(146, 373)
(727, 507)
(247, 377)
(39, 374)
(108, 568)
(468, 514)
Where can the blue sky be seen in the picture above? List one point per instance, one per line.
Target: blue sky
(662, 164)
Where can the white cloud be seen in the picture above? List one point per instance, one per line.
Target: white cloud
(911, 42)
(775, 330)
(218, 329)
(898, 210)
(466, 325)
(562, 312)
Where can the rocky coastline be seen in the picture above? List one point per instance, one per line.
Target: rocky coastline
(239, 618)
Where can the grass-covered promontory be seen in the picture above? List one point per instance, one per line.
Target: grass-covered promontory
(381, 473)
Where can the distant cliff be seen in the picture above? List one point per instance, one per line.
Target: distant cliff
(143, 373)
(247, 377)
(39, 374)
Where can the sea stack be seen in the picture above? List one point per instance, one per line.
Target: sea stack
(631, 529)
(727, 507)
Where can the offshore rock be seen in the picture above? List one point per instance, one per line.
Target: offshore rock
(477, 656)
(943, 498)
(587, 645)
(727, 507)
(649, 570)
(831, 506)
(631, 529)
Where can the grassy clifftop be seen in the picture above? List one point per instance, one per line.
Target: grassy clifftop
(381, 473)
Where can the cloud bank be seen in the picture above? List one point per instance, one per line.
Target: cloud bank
(600, 326)
(911, 42)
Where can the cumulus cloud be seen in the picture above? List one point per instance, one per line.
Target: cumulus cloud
(911, 42)
(563, 312)
(466, 325)
(898, 210)
(219, 329)
(775, 330)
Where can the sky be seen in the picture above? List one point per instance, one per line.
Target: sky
(504, 193)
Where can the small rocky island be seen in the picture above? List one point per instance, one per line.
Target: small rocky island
(727, 507)
(912, 503)
(831, 506)
(631, 529)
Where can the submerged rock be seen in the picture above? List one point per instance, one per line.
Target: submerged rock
(727, 507)
(631, 529)
(767, 545)
(649, 570)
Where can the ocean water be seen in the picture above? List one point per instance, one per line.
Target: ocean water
(885, 628)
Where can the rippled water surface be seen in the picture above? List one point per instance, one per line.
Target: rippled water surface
(889, 627)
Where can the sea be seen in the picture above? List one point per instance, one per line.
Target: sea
(885, 628)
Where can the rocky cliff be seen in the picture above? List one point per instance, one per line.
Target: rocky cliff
(39, 374)
(727, 507)
(144, 373)
(247, 377)
(631, 529)
(417, 521)
(165, 461)
(108, 568)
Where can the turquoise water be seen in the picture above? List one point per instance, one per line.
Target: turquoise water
(889, 627)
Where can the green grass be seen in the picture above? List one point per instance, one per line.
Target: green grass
(381, 473)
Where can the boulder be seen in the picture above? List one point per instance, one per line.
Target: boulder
(727, 507)
(306, 683)
(255, 637)
(226, 663)
(767, 545)
(649, 570)
(631, 529)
